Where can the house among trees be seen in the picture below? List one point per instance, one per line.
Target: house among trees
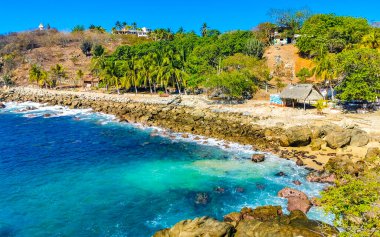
(284, 36)
(300, 93)
(143, 32)
(41, 27)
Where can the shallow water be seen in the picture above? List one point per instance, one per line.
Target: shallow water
(78, 173)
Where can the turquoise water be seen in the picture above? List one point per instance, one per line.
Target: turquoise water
(77, 173)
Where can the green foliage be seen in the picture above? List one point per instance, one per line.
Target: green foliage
(289, 20)
(304, 74)
(255, 48)
(86, 47)
(233, 84)
(39, 76)
(360, 70)
(372, 39)
(7, 79)
(320, 105)
(98, 29)
(323, 33)
(78, 28)
(264, 32)
(98, 50)
(353, 202)
(57, 73)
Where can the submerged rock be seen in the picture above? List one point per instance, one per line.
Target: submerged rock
(202, 198)
(281, 174)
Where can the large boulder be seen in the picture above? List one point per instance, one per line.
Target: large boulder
(359, 138)
(258, 158)
(264, 213)
(2, 106)
(297, 200)
(298, 136)
(204, 226)
(316, 144)
(338, 139)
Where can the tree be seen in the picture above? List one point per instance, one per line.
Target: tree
(86, 47)
(304, 74)
(327, 33)
(39, 75)
(57, 73)
(134, 26)
(204, 29)
(326, 71)
(79, 76)
(290, 20)
(78, 29)
(98, 50)
(255, 48)
(359, 70)
(264, 32)
(118, 25)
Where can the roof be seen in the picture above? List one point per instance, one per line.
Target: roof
(301, 92)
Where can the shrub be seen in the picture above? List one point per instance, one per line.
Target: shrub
(86, 47)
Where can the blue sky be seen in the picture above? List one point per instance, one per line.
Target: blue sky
(19, 15)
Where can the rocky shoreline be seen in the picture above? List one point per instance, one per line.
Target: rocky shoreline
(310, 146)
(296, 143)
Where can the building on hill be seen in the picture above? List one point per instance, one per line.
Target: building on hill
(143, 32)
(300, 93)
(376, 24)
(41, 27)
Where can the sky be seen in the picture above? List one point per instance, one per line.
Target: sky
(21, 15)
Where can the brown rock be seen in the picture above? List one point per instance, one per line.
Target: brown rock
(298, 136)
(373, 152)
(297, 200)
(338, 139)
(359, 138)
(321, 177)
(316, 144)
(233, 217)
(258, 158)
(185, 135)
(297, 182)
(299, 162)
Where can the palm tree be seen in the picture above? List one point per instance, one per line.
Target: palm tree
(57, 73)
(38, 75)
(325, 70)
(134, 26)
(204, 29)
(118, 25)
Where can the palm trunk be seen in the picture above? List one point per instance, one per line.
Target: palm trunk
(150, 85)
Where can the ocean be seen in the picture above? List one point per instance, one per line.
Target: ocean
(79, 173)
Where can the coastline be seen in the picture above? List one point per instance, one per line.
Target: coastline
(176, 116)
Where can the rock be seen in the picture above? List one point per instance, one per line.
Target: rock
(2, 106)
(284, 142)
(359, 138)
(321, 177)
(201, 198)
(280, 174)
(264, 213)
(338, 139)
(372, 152)
(298, 136)
(47, 115)
(342, 165)
(219, 190)
(328, 129)
(239, 190)
(297, 182)
(233, 217)
(258, 158)
(297, 200)
(316, 144)
(315, 201)
(204, 226)
(299, 162)
(185, 135)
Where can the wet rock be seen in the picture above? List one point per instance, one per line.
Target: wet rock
(359, 138)
(219, 190)
(47, 115)
(280, 174)
(202, 198)
(2, 106)
(298, 136)
(297, 182)
(204, 226)
(185, 135)
(233, 217)
(260, 186)
(299, 162)
(258, 158)
(297, 200)
(338, 139)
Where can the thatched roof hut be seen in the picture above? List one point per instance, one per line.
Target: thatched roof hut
(301, 93)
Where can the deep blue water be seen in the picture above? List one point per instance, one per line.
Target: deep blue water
(82, 174)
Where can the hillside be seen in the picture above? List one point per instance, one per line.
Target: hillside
(48, 48)
(286, 59)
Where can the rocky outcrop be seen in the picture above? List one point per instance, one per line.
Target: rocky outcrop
(321, 177)
(204, 226)
(267, 221)
(297, 136)
(297, 200)
(359, 138)
(338, 139)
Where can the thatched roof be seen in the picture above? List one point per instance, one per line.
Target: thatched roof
(303, 92)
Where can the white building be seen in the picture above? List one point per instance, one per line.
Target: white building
(41, 27)
(143, 32)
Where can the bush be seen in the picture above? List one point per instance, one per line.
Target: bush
(78, 28)
(98, 50)
(86, 47)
